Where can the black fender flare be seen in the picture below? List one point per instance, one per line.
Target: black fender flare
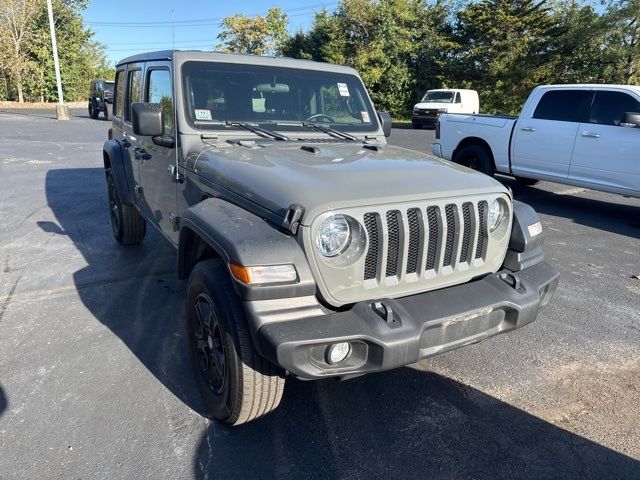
(241, 237)
(524, 249)
(114, 159)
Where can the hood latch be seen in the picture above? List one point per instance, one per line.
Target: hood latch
(292, 219)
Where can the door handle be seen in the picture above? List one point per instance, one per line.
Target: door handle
(590, 134)
(528, 129)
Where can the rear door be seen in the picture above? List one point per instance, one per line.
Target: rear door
(607, 153)
(544, 138)
(156, 156)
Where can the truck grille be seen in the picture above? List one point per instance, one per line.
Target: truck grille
(412, 247)
(442, 237)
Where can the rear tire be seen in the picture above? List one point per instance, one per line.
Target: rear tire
(526, 181)
(237, 384)
(127, 225)
(476, 157)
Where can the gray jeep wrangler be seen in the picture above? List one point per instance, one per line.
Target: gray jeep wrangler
(100, 99)
(311, 247)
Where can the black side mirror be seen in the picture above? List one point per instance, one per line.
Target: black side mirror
(385, 121)
(631, 119)
(146, 119)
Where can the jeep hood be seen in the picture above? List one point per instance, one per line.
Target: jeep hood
(333, 176)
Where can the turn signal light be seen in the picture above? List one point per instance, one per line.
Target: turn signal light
(264, 274)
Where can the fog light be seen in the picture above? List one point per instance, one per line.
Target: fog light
(338, 352)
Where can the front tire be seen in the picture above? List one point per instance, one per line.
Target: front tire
(237, 384)
(127, 225)
(93, 111)
(417, 126)
(476, 157)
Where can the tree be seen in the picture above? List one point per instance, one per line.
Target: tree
(259, 35)
(506, 49)
(623, 24)
(16, 29)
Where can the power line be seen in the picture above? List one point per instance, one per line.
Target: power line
(201, 22)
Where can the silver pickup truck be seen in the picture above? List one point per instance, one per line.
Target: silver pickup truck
(311, 247)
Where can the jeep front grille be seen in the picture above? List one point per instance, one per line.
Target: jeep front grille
(413, 247)
(440, 237)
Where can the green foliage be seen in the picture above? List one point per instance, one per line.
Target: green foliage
(81, 58)
(257, 35)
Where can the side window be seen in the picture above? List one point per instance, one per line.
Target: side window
(564, 105)
(118, 100)
(457, 100)
(159, 91)
(609, 107)
(134, 91)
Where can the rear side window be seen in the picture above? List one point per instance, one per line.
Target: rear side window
(134, 89)
(564, 105)
(609, 107)
(118, 100)
(159, 91)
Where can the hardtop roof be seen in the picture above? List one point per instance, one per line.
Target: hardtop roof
(247, 59)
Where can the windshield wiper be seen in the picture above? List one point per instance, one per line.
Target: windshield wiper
(258, 130)
(329, 130)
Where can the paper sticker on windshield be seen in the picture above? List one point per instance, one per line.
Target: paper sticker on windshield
(365, 117)
(203, 114)
(343, 89)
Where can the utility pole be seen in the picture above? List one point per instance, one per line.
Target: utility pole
(62, 111)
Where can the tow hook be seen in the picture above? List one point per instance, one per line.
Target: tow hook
(513, 281)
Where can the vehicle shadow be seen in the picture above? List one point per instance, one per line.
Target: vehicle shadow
(404, 424)
(131, 290)
(400, 424)
(600, 214)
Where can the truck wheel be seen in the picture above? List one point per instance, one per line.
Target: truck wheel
(237, 384)
(526, 181)
(108, 111)
(90, 110)
(128, 226)
(477, 158)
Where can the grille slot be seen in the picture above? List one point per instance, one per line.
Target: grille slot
(393, 227)
(451, 235)
(434, 237)
(413, 217)
(466, 234)
(482, 234)
(371, 260)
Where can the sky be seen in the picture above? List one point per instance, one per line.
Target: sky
(135, 26)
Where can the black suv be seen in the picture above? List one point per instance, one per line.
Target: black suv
(101, 98)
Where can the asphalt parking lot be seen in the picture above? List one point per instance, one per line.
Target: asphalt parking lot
(95, 380)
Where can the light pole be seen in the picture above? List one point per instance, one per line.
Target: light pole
(62, 111)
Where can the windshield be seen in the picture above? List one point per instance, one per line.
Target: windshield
(218, 93)
(108, 86)
(438, 97)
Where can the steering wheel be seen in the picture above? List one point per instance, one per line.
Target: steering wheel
(321, 115)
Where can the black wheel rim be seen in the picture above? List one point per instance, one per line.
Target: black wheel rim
(210, 345)
(114, 209)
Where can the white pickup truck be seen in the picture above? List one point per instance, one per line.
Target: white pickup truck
(582, 135)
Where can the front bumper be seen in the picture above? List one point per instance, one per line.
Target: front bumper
(425, 119)
(396, 332)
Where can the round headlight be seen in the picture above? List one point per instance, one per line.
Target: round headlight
(333, 236)
(496, 215)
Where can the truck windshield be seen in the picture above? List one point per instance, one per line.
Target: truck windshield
(108, 87)
(218, 95)
(438, 97)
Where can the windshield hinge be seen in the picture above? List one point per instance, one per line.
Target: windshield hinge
(292, 218)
